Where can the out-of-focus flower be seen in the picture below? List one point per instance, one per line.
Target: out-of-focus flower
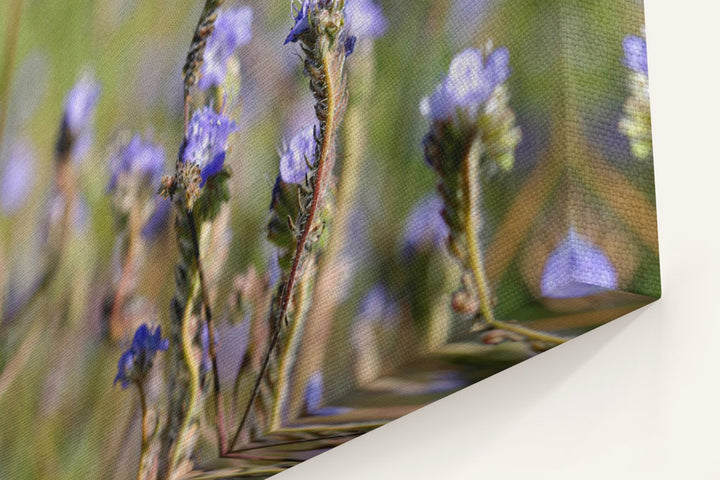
(470, 82)
(206, 145)
(425, 226)
(635, 122)
(16, 177)
(635, 54)
(140, 159)
(158, 219)
(577, 268)
(302, 22)
(314, 392)
(297, 155)
(233, 29)
(80, 104)
(136, 361)
(365, 19)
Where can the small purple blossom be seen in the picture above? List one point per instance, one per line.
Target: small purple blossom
(635, 54)
(80, 103)
(470, 82)
(295, 158)
(16, 177)
(233, 29)
(302, 20)
(136, 361)
(138, 158)
(425, 226)
(374, 304)
(577, 268)
(365, 19)
(206, 144)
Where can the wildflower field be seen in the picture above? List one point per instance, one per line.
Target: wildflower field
(235, 234)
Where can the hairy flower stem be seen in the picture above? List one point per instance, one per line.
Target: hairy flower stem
(142, 471)
(325, 296)
(193, 370)
(194, 60)
(219, 413)
(328, 84)
(471, 192)
(303, 299)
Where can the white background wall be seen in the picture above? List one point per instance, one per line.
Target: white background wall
(638, 398)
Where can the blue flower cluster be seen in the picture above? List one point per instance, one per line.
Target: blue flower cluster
(233, 29)
(365, 19)
(297, 155)
(302, 20)
(139, 158)
(635, 54)
(136, 361)
(470, 82)
(80, 104)
(206, 143)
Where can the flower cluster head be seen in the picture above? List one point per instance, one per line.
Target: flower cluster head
(136, 361)
(577, 268)
(301, 13)
(635, 54)
(206, 142)
(317, 17)
(233, 29)
(80, 104)
(297, 156)
(138, 160)
(17, 175)
(365, 19)
(470, 82)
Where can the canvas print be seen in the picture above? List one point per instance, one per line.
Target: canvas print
(238, 233)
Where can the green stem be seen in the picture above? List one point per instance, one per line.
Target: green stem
(471, 187)
(322, 173)
(194, 373)
(143, 428)
(291, 350)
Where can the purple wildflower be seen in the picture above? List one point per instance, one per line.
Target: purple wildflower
(635, 54)
(80, 104)
(365, 19)
(136, 361)
(302, 21)
(206, 144)
(426, 227)
(294, 160)
(233, 29)
(470, 82)
(16, 178)
(137, 158)
(577, 268)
